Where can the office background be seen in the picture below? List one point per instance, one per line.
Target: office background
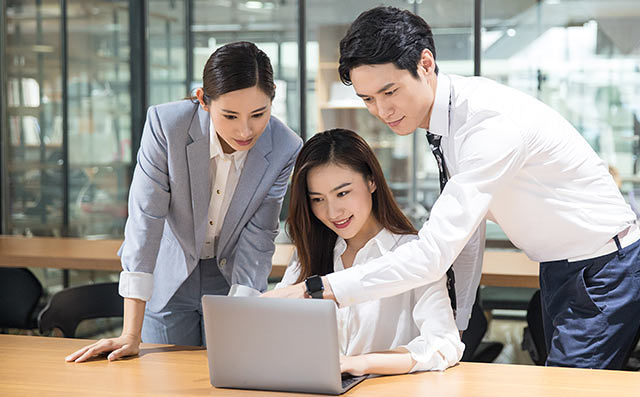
(78, 75)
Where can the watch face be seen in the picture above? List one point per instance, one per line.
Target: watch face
(314, 284)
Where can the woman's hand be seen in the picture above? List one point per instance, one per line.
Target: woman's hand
(299, 291)
(355, 365)
(295, 291)
(390, 362)
(122, 346)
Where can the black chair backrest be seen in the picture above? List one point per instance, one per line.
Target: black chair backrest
(475, 349)
(20, 292)
(69, 307)
(475, 331)
(533, 338)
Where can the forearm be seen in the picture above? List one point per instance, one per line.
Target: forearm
(398, 361)
(133, 317)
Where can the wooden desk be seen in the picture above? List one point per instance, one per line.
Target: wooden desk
(501, 267)
(35, 366)
(82, 254)
(60, 253)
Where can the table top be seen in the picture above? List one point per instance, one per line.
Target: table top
(62, 253)
(33, 365)
(505, 268)
(509, 268)
(83, 254)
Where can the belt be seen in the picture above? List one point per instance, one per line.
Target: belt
(627, 237)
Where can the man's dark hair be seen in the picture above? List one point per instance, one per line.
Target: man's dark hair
(385, 35)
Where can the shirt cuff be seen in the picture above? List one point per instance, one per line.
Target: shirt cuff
(437, 355)
(346, 286)
(136, 285)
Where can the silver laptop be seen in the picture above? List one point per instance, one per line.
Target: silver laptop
(274, 344)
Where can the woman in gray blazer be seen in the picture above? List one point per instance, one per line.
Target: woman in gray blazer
(204, 202)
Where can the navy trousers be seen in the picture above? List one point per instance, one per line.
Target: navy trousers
(591, 309)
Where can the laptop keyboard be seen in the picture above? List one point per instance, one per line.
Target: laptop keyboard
(348, 380)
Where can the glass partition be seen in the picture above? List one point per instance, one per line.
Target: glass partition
(32, 131)
(166, 32)
(99, 116)
(406, 161)
(579, 56)
(271, 25)
(582, 58)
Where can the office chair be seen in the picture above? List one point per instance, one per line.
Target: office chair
(20, 292)
(533, 335)
(69, 307)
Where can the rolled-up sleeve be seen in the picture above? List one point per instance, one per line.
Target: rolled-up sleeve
(149, 198)
(438, 346)
(137, 285)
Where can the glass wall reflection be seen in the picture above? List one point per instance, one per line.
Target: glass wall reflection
(582, 58)
(406, 161)
(271, 25)
(167, 53)
(99, 116)
(33, 136)
(579, 56)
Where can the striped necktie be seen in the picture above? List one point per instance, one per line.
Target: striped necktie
(434, 142)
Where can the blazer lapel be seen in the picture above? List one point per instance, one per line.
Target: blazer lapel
(254, 169)
(198, 157)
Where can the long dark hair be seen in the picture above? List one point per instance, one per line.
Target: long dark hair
(385, 35)
(235, 66)
(314, 241)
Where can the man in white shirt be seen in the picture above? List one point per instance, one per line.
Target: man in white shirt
(506, 157)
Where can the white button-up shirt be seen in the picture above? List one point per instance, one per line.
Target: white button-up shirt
(421, 320)
(224, 171)
(515, 161)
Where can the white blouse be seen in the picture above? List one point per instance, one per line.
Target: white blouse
(224, 171)
(421, 319)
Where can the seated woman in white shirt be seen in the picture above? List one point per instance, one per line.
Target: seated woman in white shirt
(342, 214)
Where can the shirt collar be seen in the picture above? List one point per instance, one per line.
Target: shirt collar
(439, 123)
(380, 244)
(215, 149)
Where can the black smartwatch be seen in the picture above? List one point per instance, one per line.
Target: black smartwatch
(314, 286)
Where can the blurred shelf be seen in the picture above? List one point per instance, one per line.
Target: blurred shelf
(329, 65)
(329, 106)
(33, 111)
(35, 165)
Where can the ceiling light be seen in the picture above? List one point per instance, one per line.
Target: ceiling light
(253, 4)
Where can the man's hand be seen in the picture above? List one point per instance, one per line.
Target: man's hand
(299, 291)
(295, 291)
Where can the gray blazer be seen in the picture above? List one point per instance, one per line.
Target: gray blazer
(170, 194)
